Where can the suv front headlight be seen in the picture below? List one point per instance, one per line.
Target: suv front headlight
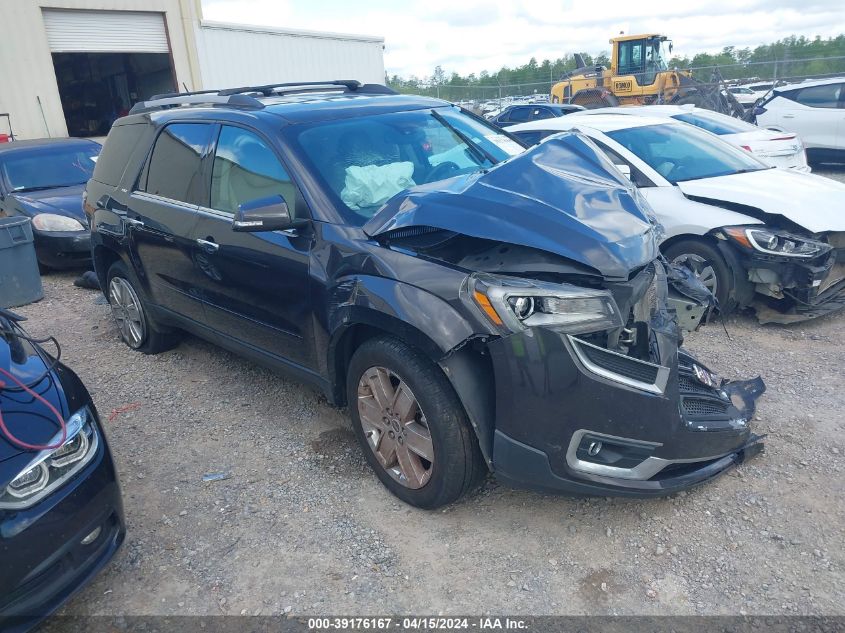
(51, 222)
(50, 469)
(515, 304)
(774, 242)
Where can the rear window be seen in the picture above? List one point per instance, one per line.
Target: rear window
(827, 96)
(121, 142)
(715, 122)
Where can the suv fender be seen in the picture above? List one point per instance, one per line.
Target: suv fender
(365, 306)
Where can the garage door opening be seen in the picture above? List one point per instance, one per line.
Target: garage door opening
(97, 88)
(105, 62)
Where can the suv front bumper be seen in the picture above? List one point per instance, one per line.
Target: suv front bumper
(655, 430)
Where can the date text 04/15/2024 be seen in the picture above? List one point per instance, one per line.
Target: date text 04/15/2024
(416, 623)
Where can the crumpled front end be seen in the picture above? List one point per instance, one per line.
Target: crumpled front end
(624, 411)
(796, 290)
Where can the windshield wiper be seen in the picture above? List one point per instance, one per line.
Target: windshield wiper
(45, 187)
(748, 170)
(478, 151)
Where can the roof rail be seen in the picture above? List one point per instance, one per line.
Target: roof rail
(243, 96)
(350, 85)
(203, 98)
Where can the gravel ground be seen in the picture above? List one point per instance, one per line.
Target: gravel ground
(301, 526)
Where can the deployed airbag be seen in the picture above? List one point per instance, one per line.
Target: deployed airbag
(371, 185)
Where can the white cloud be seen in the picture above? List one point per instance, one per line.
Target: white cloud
(474, 35)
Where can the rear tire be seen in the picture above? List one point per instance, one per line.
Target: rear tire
(131, 313)
(385, 369)
(701, 257)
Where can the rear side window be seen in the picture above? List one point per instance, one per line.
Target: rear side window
(826, 96)
(174, 168)
(121, 142)
(518, 115)
(246, 169)
(541, 113)
(715, 122)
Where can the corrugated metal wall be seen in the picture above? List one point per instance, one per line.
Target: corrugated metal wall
(233, 55)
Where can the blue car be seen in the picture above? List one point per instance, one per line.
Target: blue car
(61, 515)
(43, 180)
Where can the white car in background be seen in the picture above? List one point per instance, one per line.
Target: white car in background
(744, 95)
(779, 149)
(815, 110)
(753, 234)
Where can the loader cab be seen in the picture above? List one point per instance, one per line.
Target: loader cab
(641, 57)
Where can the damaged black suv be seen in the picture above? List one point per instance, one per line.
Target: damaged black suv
(478, 307)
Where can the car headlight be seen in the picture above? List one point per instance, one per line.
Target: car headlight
(54, 222)
(514, 304)
(50, 469)
(774, 242)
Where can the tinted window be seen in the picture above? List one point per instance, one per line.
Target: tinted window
(714, 122)
(680, 152)
(246, 169)
(121, 142)
(820, 96)
(504, 117)
(518, 115)
(49, 166)
(174, 168)
(541, 113)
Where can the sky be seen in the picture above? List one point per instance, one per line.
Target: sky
(467, 36)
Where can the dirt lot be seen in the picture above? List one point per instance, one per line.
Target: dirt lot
(301, 526)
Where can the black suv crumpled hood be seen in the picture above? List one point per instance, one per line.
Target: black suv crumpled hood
(562, 196)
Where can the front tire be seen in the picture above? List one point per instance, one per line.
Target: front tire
(709, 266)
(136, 325)
(411, 426)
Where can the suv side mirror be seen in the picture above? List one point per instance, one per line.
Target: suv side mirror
(264, 214)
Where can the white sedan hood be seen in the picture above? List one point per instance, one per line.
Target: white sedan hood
(813, 202)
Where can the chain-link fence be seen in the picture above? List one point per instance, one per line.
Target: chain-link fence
(538, 88)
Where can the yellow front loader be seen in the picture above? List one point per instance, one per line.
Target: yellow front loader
(639, 75)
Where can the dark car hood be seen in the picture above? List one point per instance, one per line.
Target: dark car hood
(561, 196)
(61, 201)
(29, 419)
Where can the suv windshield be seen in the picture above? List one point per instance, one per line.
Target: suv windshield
(716, 123)
(49, 167)
(367, 160)
(679, 152)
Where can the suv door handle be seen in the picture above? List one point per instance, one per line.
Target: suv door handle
(788, 116)
(208, 246)
(133, 222)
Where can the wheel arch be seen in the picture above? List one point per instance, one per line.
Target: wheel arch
(439, 332)
(742, 292)
(103, 258)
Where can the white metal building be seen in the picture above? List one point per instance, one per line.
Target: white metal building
(70, 67)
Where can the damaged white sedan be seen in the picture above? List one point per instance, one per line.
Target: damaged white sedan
(754, 235)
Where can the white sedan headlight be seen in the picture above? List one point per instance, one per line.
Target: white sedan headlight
(514, 304)
(51, 468)
(53, 222)
(774, 242)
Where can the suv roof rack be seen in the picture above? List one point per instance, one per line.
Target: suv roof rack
(243, 96)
